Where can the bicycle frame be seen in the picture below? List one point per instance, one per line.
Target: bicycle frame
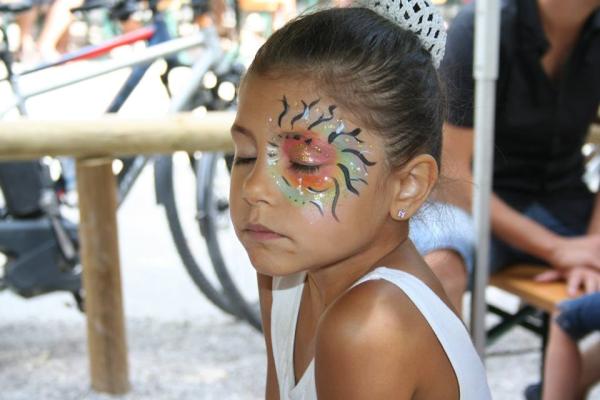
(51, 230)
(140, 61)
(160, 46)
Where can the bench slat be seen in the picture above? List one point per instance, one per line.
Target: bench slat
(518, 280)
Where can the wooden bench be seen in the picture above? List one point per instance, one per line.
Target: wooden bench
(519, 280)
(540, 300)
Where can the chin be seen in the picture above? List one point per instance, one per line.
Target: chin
(272, 267)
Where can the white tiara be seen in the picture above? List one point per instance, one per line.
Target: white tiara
(418, 16)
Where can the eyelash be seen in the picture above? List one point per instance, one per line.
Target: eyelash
(302, 168)
(306, 169)
(243, 161)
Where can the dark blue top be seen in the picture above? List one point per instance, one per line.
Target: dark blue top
(541, 123)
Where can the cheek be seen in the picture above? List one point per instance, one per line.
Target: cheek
(351, 211)
(317, 182)
(236, 203)
(325, 241)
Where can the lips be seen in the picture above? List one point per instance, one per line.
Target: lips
(261, 232)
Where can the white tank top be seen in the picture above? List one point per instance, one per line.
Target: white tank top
(449, 329)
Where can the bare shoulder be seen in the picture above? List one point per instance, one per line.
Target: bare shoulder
(370, 306)
(374, 343)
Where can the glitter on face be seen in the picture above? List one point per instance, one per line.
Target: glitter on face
(314, 158)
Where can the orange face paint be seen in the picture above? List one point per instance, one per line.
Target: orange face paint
(311, 160)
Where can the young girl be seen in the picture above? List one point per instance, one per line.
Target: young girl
(337, 144)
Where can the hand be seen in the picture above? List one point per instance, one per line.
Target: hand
(580, 251)
(576, 278)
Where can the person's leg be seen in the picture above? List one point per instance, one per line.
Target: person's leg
(590, 375)
(450, 269)
(57, 22)
(568, 375)
(26, 22)
(562, 368)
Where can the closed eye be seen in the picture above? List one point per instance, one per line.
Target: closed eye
(244, 160)
(305, 169)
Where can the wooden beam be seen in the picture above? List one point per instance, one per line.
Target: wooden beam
(107, 347)
(113, 135)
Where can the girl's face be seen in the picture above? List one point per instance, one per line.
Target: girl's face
(308, 183)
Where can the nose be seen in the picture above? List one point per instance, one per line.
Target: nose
(259, 185)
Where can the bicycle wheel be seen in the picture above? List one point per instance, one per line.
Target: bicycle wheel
(228, 257)
(180, 214)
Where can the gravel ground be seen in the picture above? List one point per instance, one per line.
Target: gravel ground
(224, 360)
(174, 360)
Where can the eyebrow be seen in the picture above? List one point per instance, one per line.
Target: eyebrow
(235, 128)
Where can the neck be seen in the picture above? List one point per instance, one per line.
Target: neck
(562, 15)
(325, 285)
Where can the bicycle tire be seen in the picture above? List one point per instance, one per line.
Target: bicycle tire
(210, 211)
(165, 194)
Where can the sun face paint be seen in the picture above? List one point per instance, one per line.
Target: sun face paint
(314, 158)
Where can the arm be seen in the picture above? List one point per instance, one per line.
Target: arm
(508, 224)
(521, 232)
(266, 299)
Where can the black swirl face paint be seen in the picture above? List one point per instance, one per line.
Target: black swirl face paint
(314, 158)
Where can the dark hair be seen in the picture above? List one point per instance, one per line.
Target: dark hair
(371, 67)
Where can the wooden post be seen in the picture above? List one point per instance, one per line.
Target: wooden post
(101, 276)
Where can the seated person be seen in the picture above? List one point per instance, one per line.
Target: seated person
(548, 93)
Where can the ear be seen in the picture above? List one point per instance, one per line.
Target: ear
(411, 186)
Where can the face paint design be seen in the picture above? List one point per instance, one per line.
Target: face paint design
(314, 158)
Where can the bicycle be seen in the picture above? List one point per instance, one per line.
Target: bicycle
(40, 230)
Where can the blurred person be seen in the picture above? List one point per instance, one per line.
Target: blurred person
(53, 32)
(279, 11)
(26, 21)
(548, 93)
(53, 38)
(568, 374)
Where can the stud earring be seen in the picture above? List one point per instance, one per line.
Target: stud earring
(401, 213)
